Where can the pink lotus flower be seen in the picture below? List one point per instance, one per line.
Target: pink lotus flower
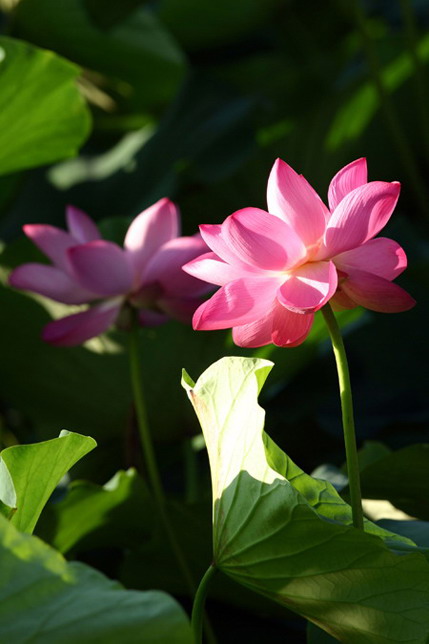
(146, 274)
(277, 268)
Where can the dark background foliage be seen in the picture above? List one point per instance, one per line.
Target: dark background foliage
(194, 100)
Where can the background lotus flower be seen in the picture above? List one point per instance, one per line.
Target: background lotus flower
(277, 268)
(146, 274)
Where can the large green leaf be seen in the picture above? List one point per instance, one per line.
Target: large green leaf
(136, 48)
(288, 536)
(120, 514)
(36, 470)
(43, 117)
(47, 600)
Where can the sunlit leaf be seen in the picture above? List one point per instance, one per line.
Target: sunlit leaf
(7, 491)
(36, 470)
(47, 600)
(288, 536)
(43, 117)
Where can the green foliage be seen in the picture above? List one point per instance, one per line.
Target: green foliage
(401, 477)
(287, 536)
(355, 114)
(315, 635)
(46, 600)
(418, 531)
(84, 389)
(92, 515)
(43, 117)
(193, 100)
(136, 48)
(35, 471)
(7, 491)
(218, 23)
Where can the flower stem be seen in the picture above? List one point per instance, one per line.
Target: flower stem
(347, 415)
(142, 421)
(152, 467)
(149, 454)
(199, 600)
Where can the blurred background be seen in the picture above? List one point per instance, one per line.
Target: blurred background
(194, 100)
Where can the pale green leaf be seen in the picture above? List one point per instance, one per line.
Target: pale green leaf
(288, 536)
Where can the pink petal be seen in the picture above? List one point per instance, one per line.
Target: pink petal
(376, 293)
(149, 231)
(49, 281)
(291, 198)
(52, 241)
(309, 287)
(359, 217)
(165, 267)
(210, 268)
(76, 329)
(347, 179)
(80, 226)
(240, 302)
(255, 334)
(102, 267)
(261, 240)
(213, 235)
(380, 256)
(279, 326)
(179, 308)
(290, 329)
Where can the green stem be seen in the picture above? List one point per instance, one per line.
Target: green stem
(142, 421)
(347, 415)
(152, 467)
(149, 454)
(199, 600)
